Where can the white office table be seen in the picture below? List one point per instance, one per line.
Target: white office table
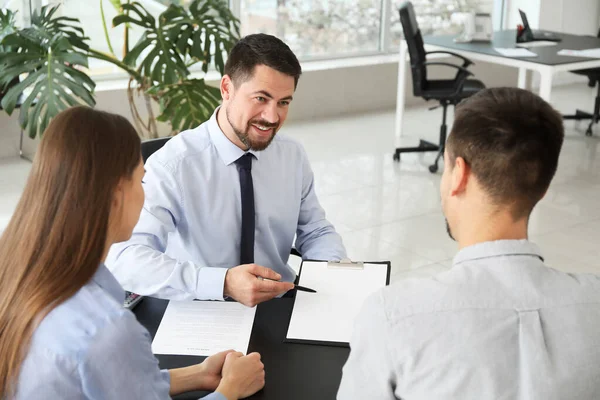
(547, 63)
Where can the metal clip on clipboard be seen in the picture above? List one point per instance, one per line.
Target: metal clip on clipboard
(345, 264)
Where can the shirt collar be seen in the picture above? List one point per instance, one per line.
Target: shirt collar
(106, 280)
(498, 248)
(228, 152)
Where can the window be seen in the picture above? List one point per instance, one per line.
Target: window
(314, 29)
(22, 9)
(435, 17)
(317, 28)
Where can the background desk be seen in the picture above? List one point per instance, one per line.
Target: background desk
(293, 371)
(547, 63)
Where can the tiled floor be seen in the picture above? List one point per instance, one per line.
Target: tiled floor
(390, 211)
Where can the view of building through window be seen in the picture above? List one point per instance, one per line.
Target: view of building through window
(314, 29)
(434, 16)
(317, 28)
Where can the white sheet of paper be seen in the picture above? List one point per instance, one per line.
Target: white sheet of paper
(536, 43)
(589, 53)
(204, 328)
(507, 52)
(329, 314)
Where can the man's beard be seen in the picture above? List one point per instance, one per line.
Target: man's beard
(449, 230)
(245, 137)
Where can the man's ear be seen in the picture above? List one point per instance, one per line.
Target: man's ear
(226, 87)
(460, 176)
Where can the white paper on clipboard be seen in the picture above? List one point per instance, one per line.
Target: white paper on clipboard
(328, 315)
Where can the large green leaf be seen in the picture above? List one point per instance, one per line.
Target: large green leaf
(160, 62)
(216, 30)
(7, 27)
(180, 37)
(50, 53)
(187, 104)
(7, 23)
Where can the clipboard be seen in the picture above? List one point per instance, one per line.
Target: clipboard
(327, 317)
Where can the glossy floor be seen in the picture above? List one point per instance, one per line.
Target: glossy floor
(390, 211)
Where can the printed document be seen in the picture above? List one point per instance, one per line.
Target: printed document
(204, 328)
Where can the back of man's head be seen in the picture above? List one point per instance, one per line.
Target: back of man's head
(261, 49)
(510, 139)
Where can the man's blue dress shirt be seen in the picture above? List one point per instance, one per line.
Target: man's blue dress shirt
(189, 230)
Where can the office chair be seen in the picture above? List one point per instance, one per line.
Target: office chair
(593, 75)
(446, 92)
(152, 145)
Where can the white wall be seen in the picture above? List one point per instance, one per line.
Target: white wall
(578, 17)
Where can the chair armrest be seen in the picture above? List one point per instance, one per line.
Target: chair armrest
(466, 61)
(461, 74)
(465, 71)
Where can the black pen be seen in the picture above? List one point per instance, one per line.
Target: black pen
(304, 289)
(297, 287)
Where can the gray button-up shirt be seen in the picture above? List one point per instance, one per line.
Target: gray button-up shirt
(498, 325)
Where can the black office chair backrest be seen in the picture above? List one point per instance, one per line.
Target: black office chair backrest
(152, 145)
(416, 49)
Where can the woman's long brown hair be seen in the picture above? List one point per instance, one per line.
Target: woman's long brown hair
(55, 240)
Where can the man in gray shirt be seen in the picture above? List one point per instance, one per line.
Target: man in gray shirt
(499, 324)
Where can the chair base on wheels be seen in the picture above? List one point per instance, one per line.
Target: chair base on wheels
(426, 146)
(584, 115)
(594, 117)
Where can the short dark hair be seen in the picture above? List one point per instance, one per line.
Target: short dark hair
(261, 49)
(511, 140)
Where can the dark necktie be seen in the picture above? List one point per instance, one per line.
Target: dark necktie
(244, 165)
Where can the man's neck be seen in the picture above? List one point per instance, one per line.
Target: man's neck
(227, 129)
(487, 228)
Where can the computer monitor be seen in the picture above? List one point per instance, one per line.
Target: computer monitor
(524, 19)
(530, 34)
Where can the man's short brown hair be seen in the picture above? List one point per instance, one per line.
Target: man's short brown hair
(261, 49)
(511, 140)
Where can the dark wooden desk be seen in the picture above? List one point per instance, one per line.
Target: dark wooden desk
(547, 62)
(293, 371)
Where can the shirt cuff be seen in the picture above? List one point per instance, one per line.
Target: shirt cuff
(211, 283)
(166, 376)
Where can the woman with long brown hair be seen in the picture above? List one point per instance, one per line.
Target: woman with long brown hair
(63, 330)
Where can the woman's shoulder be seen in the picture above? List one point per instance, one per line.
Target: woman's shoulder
(70, 328)
(89, 330)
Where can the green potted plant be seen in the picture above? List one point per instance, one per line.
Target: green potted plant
(7, 27)
(50, 55)
(161, 62)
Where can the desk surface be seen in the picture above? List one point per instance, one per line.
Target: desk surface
(507, 39)
(293, 371)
